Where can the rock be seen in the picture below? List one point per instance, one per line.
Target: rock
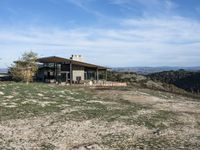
(156, 132)
(1, 93)
(90, 83)
(87, 147)
(9, 97)
(41, 95)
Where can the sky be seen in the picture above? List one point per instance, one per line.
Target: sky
(113, 33)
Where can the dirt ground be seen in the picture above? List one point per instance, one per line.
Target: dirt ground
(96, 119)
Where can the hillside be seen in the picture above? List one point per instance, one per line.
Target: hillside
(137, 80)
(44, 116)
(149, 70)
(187, 80)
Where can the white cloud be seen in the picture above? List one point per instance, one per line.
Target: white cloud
(139, 42)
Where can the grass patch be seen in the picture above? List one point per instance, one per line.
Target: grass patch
(20, 100)
(80, 104)
(42, 99)
(27, 110)
(102, 112)
(157, 120)
(117, 141)
(122, 141)
(165, 143)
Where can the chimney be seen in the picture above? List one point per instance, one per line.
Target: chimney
(77, 58)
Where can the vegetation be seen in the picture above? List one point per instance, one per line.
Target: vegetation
(188, 86)
(187, 80)
(137, 80)
(25, 68)
(128, 77)
(42, 115)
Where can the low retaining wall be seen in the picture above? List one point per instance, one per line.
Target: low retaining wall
(99, 84)
(104, 84)
(116, 84)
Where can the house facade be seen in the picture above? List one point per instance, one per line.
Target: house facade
(72, 70)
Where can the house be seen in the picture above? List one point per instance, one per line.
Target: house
(72, 70)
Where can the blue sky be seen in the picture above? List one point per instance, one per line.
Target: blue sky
(107, 32)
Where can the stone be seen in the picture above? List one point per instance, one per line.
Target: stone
(1, 93)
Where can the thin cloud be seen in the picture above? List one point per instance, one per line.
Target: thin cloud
(148, 7)
(83, 4)
(164, 38)
(155, 40)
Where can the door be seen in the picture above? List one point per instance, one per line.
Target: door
(63, 77)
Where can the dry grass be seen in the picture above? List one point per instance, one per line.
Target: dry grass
(41, 116)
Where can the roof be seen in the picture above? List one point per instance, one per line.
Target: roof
(55, 59)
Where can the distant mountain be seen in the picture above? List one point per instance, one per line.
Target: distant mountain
(149, 70)
(3, 70)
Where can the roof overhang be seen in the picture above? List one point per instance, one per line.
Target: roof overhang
(55, 59)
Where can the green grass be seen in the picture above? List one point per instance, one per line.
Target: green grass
(103, 113)
(28, 103)
(155, 121)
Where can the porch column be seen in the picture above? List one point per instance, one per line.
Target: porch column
(56, 72)
(43, 73)
(86, 75)
(106, 75)
(97, 74)
(71, 73)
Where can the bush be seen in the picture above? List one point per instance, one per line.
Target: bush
(25, 68)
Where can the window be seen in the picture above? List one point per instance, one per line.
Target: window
(65, 67)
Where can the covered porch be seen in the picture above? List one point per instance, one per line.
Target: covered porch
(61, 70)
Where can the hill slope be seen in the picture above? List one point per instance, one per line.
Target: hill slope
(187, 80)
(44, 116)
(149, 70)
(134, 79)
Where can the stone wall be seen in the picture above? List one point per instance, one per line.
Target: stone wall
(78, 72)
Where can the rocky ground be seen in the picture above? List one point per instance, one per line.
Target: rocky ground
(42, 116)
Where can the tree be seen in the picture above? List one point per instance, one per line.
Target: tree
(25, 68)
